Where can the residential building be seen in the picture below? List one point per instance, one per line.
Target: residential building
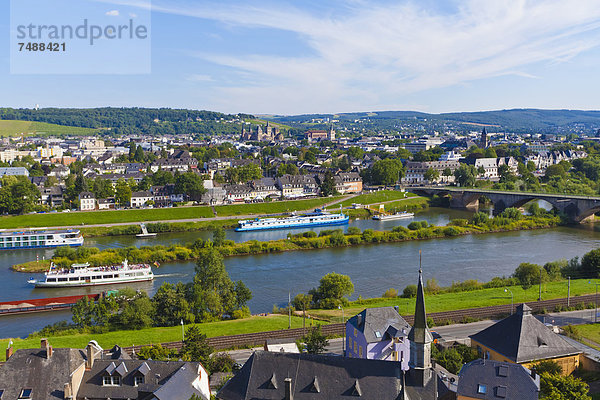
(263, 188)
(451, 156)
(52, 196)
(141, 198)
(139, 379)
(523, 339)
(348, 182)
(491, 166)
(166, 195)
(13, 171)
(239, 192)
(87, 201)
(294, 186)
(488, 379)
(415, 171)
(544, 159)
(106, 204)
(378, 334)
(215, 193)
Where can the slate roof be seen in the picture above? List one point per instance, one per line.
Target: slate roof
(521, 338)
(502, 380)
(379, 319)
(325, 377)
(30, 369)
(313, 377)
(160, 373)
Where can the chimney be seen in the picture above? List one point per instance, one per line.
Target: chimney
(532, 373)
(288, 389)
(67, 391)
(89, 362)
(9, 352)
(46, 345)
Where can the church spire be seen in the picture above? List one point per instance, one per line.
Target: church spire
(420, 338)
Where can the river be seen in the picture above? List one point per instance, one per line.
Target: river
(372, 268)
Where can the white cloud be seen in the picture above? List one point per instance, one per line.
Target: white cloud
(113, 13)
(199, 78)
(373, 55)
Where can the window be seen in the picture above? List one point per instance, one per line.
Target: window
(138, 379)
(360, 353)
(481, 389)
(25, 394)
(1, 393)
(106, 381)
(377, 334)
(116, 380)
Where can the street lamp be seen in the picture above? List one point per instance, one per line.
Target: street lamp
(507, 290)
(344, 342)
(596, 309)
(182, 332)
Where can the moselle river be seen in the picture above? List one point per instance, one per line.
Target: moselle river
(372, 268)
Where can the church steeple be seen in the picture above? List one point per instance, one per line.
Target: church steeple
(420, 339)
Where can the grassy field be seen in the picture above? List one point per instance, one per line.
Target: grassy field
(158, 335)
(103, 217)
(590, 332)
(13, 128)
(273, 207)
(377, 197)
(462, 300)
(155, 214)
(175, 227)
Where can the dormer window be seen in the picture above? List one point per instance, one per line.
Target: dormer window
(481, 389)
(25, 394)
(111, 380)
(137, 380)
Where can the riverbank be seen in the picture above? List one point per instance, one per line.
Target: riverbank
(100, 219)
(306, 241)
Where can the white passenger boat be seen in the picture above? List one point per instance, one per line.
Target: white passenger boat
(316, 218)
(85, 275)
(36, 239)
(389, 217)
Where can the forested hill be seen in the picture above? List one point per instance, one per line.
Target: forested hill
(153, 121)
(518, 120)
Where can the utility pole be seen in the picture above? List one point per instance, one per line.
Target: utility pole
(569, 293)
(290, 310)
(540, 295)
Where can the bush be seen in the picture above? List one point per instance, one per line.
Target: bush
(512, 213)
(240, 313)
(451, 231)
(432, 287)
(368, 235)
(480, 218)
(221, 362)
(410, 291)
(353, 230)
(310, 234)
(529, 274)
(413, 226)
(390, 293)
(459, 222)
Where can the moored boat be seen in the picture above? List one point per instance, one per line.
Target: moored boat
(389, 217)
(37, 239)
(85, 275)
(316, 218)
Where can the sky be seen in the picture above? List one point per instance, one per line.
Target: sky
(311, 56)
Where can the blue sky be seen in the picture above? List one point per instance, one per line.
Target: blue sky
(293, 57)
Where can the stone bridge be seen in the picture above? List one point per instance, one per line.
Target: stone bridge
(577, 208)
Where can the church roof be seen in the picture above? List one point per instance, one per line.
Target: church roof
(420, 331)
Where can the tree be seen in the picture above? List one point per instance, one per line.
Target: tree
(529, 274)
(18, 195)
(190, 184)
(547, 366)
(196, 346)
(466, 175)
(162, 177)
(555, 170)
(287, 169)
(171, 305)
(80, 184)
(103, 188)
(512, 213)
(590, 263)
(506, 174)
(137, 313)
(557, 387)
(219, 236)
(315, 341)
(387, 171)
(332, 289)
(139, 154)
(83, 312)
(432, 175)
(328, 185)
(122, 192)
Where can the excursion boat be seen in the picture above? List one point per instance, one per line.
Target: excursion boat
(40, 239)
(389, 217)
(316, 218)
(84, 275)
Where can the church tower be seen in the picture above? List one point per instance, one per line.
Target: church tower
(420, 341)
(485, 141)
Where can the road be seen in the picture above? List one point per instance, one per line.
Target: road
(461, 332)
